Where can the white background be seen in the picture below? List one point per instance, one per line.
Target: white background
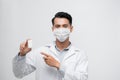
(96, 30)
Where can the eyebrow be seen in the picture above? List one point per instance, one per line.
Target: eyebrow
(62, 24)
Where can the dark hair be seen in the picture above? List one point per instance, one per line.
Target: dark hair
(62, 15)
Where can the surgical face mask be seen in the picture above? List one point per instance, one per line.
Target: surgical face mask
(61, 34)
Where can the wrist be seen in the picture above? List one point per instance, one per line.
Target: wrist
(58, 65)
(21, 54)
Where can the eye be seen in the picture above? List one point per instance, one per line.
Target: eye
(65, 25)
(57, 26)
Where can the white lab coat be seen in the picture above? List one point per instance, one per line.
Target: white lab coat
(73, 67)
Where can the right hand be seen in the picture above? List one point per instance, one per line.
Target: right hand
(24, 48)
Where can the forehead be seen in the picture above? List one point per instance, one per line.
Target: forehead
(61, 21)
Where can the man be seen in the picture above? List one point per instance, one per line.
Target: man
(57, 61)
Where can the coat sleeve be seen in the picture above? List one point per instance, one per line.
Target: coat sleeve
(24, 65)
(79, 72)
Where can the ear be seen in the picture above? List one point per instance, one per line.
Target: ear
(52, 28)
(71, 29)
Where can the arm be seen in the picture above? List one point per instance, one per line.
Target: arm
(24, 62)
(23, 65)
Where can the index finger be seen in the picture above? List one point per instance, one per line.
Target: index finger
(45, 54)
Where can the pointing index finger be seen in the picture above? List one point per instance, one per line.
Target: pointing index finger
(45, 54)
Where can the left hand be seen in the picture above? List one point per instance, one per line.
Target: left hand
(49, 60)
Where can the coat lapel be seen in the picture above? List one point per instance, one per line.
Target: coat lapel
(70, 53)
(52, 48)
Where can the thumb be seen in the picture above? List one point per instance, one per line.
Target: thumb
(26, 43)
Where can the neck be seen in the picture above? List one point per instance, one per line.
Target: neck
(62, 45)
